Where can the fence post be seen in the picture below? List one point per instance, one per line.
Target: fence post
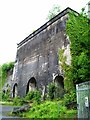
(83, 100)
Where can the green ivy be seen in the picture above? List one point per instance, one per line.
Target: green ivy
(5, 68)
(78, 30)
(51, 91)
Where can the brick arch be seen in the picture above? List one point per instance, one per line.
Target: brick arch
(31, 85)
(15, 90)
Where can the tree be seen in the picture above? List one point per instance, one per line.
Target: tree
(5, 68)
(53, 12)
(78, 31)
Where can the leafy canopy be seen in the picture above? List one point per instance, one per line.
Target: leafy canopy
(53, 12)
(78, 30)
(5, 68)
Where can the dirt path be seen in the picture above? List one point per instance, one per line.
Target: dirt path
(4, 110)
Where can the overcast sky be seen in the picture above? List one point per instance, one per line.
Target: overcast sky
(18, 18)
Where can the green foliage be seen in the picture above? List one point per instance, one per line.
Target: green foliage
(17, 101)
(54, 91)
(34, 95)
(51, 91)
(68, 83)
(62, 59)
(0, 77)
(5, 68)
(69, 97)
(59, 93)
(50, 109)
(53, 12)
(78, 30)
(6, 95)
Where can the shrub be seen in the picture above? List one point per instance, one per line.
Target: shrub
(70, 99)
(78, 30)
(50, 109)
(55, 91)
(5, 68)
(51, 91)
(34, 95)
(30, 95)
(18, 101)
(6, 94)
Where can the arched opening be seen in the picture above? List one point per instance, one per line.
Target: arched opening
(59, 81)
(31, 85)
(15, 92)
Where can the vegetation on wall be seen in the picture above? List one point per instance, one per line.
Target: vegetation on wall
(51, 91)
(68, 84)
(54, 91)
(5, 68)
(70, 93)
(78, 31)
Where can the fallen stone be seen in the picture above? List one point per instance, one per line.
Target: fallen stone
(21, 109)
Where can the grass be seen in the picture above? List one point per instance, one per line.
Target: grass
(50, 109)
(6, 103)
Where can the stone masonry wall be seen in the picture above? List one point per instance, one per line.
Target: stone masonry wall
(38, 56)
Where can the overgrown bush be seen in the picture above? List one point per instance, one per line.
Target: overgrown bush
(18, 101)
(34, 95)
(5, 68)
(50, 109)
(6, 94)
(51, 90)
(54, 91)
(78, 30)
(70, 99)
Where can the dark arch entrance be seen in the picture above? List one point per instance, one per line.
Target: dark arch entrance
(31, 85)
(15, 92)
(59, 81)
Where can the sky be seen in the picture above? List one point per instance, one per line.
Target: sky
(18, 18)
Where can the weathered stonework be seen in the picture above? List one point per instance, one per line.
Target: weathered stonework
(37, 56)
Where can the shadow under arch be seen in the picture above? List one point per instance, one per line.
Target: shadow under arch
(31, 85)
(15, 90)
(59, 80)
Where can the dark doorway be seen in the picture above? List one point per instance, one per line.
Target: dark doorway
(59, 81)
(31, 86)
(15, 91)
